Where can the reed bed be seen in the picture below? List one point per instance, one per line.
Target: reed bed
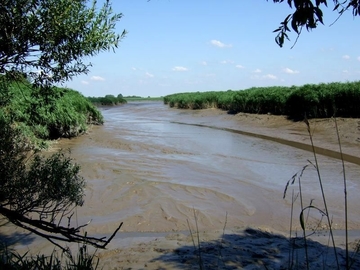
(313, 100)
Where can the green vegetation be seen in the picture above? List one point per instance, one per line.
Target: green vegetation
(127, 97)
(112, 100)
(42, 44)
(308, 14)
(48, 112)
(312, 100)
(11, 260)
(52, 40)
(36, 192)
(108, 100)
(137, 98)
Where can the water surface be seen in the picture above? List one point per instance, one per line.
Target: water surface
(153, 168)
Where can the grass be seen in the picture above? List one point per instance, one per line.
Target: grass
(323, 210)
(197, 243)
(295, 259)
(82, 260)
(314, 100)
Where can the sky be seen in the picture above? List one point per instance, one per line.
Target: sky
(175, 46)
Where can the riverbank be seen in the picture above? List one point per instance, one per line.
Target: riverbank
(280, 129)
(126, 164)
(249, 248)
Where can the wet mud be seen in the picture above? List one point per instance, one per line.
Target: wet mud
(156, 169)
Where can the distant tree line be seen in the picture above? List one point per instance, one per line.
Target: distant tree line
(132, 97)
(107, 100)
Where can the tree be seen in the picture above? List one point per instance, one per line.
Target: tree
(309, 14)
(48, 39)
(45, 41)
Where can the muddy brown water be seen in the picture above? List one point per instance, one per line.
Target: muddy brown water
(149, 170)
(156, 169)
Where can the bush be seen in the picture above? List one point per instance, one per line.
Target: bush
(47, 112)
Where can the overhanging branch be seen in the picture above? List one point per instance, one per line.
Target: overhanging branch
(53, 232)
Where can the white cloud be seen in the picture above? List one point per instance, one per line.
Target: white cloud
(239, 66)
(257, 70)
(204, 63)
(345, 71)
(85, 82)
(270, 76)
(149, 75)
(227, 62)
(133, 68)
(346, 57)
(358, 58)
(219, 44)
(290, 71)
(179, 68)
(97, 78)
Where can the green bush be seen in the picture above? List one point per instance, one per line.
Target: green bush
(47, 112)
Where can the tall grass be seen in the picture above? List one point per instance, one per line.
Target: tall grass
(326, 211)
(296, 261)
(82, 260)
(314, 100)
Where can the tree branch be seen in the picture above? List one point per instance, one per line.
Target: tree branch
(53, 232)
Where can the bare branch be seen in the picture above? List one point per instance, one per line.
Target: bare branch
(52, 232)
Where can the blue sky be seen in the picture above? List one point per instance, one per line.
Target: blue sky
(177, 46)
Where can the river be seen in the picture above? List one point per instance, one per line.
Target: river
(155, 169)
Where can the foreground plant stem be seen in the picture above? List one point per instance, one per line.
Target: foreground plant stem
(322, 192)
(345, 196)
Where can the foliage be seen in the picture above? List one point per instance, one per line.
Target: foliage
(321, 100)
(309, 14)
(43, 43)
(12, 260)
(137, 98)
(198, 100)
(133, 96)
(49, 113)
(49, 39)
(50, 188)
(324, 100)
(107, 100)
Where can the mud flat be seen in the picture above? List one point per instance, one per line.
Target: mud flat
(162, 170)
